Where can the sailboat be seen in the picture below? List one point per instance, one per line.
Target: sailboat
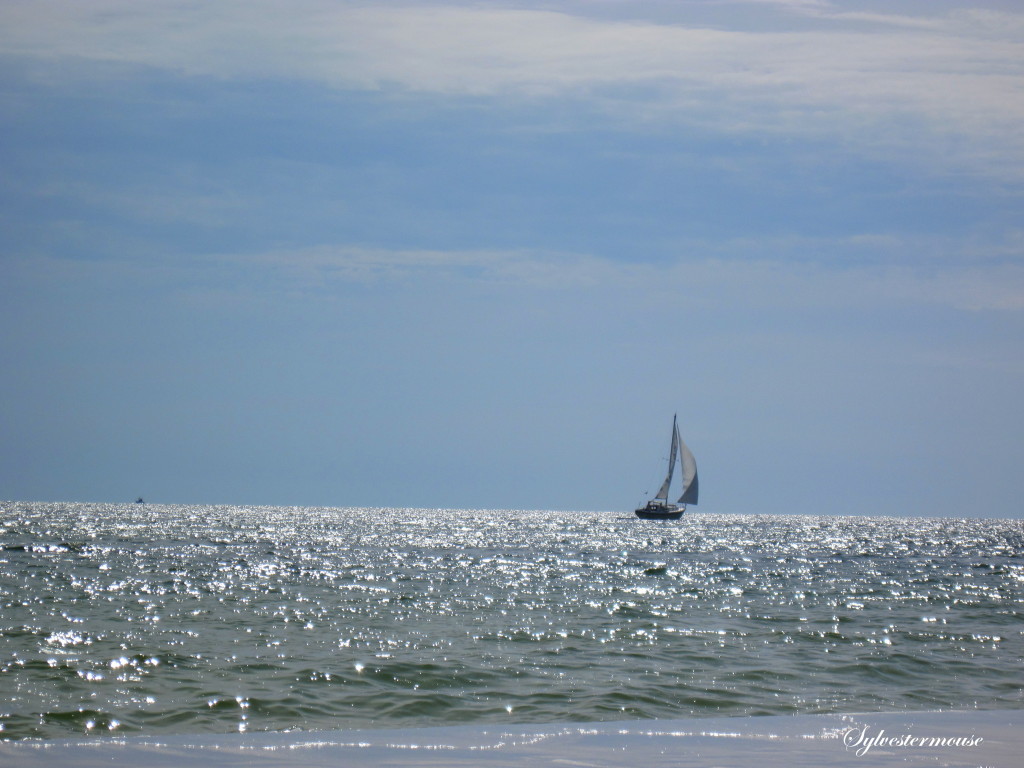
(659, 508)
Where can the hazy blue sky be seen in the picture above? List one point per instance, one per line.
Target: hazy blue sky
(476, 254)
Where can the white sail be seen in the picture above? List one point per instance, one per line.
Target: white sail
(663, 493)
(689, 470)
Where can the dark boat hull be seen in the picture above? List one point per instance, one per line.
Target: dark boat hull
(660, 512)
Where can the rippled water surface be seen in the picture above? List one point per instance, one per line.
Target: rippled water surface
(183, 619)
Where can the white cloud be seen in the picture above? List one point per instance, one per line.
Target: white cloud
(953, 82)
(741, 274)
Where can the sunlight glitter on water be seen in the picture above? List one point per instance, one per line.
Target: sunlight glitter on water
(328, 618)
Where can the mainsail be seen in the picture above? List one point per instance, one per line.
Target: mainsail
(663, 493)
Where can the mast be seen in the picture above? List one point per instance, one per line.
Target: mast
(663, 493)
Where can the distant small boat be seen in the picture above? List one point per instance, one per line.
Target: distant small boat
(659, 507)
(139, 500)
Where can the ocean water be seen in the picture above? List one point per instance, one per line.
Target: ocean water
(159, 620)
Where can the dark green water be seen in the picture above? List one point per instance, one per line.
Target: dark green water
(182, 619)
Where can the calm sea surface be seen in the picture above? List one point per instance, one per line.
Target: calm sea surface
(183, 619)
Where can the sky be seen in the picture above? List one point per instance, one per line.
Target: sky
(477, 254)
